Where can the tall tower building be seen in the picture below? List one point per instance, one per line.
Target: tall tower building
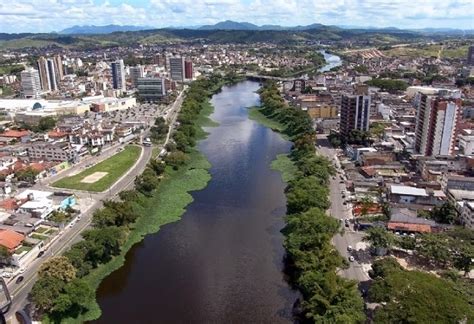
(58, 67)
(42, 64)
(177, 68)
(470, 55)
(188, 69)
(355, 110)
(437, 118)
(136, 72)
(30, 83)
(53, 83)
(118, 75)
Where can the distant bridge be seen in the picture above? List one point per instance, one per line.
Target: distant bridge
(258, 77)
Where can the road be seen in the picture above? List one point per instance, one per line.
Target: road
(338, 210)
(71, 235)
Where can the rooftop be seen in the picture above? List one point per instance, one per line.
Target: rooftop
(407, 191)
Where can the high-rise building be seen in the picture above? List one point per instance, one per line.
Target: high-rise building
(58, 66)
(30, 83)
(136, 72)
(53, 83)
(470, 55)
(188, 69)
(118, 75)
(355, 110)
(151, 89)
(437, 118)
(49, 73)
(42, 64)
(177, 68)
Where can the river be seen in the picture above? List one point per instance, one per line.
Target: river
(332, 61)
(222, 262)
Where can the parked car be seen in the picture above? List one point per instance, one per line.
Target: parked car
(19, 279)
(351, 258)
(22, 270)
(40, 254)
(349, 248)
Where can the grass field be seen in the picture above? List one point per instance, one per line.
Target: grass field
(115, 166)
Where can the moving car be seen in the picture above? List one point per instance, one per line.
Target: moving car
(351, 258)
(19, 279)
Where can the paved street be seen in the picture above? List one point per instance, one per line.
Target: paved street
(69, 236)
(356, 271)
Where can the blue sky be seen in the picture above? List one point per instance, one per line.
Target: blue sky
(55, 15)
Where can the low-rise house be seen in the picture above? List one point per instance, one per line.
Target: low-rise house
(10, 239)
(405, 220)
(450, 181)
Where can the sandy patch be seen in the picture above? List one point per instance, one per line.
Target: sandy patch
(94, 177)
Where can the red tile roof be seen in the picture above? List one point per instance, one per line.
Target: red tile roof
(420, 228)
(10, 239)
(9, 204)
(15, 133)
(56, 134)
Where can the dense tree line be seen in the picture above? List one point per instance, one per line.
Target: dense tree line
(388, 84)
(311, 260)
(417, 297)
(61, 290)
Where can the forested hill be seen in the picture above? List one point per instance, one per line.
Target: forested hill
(166, 36)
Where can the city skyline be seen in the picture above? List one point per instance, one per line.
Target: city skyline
(55, 15)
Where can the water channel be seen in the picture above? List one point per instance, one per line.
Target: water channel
(222, 262)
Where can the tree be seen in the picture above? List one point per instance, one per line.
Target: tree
(80, 294)
(435, 248)
(157, 166)
(377, 130)
(5, 255)
(45, 292)
(147, 182)
(417, 297)
(58, 267)
(105, 243)
(176, 159)
(79, 257)
(58, 216)
(29, 175)
(46, 123)
(445, 214)
(380, 239)
(103, 217)
(305, 193)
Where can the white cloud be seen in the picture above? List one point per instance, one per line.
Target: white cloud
(50, 15)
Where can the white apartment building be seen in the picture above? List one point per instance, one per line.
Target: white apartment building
(30, 83)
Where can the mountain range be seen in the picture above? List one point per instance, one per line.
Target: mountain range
(107, 29)
(234, 25)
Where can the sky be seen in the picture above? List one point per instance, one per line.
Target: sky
(54, 15)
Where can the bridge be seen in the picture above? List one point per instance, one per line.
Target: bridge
(258, 77)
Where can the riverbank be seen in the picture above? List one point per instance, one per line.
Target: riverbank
(171, 195)
(311, 261)
(255, 113)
